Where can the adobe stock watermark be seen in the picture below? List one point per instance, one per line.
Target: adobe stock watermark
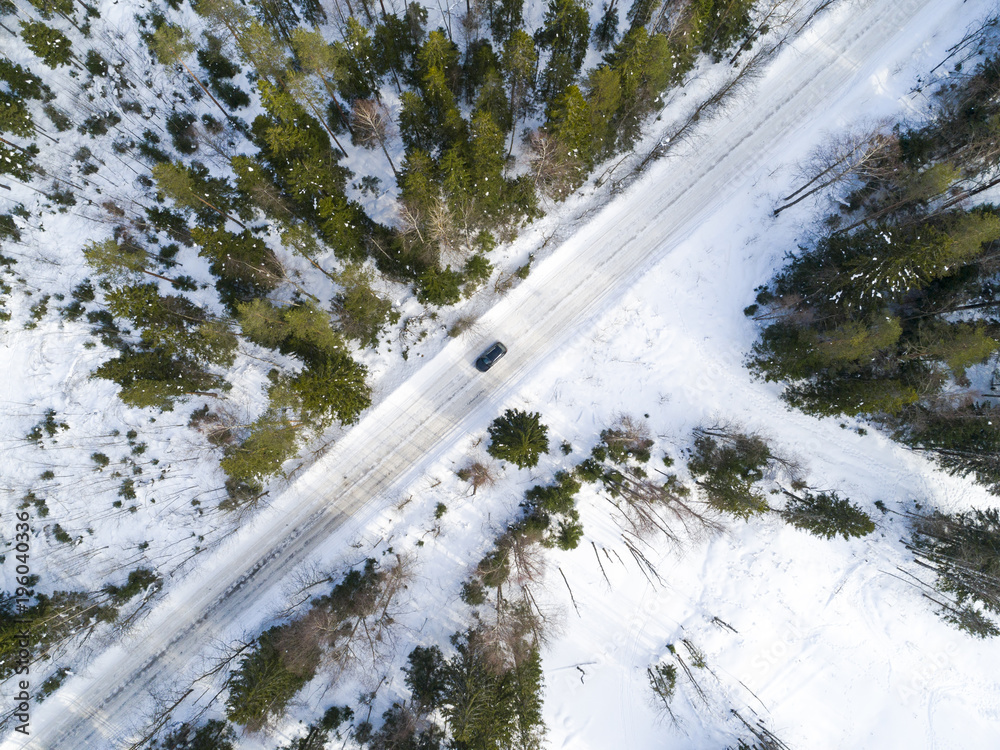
(22, 596)
(935, 664)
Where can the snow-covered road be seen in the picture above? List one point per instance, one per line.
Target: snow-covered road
(447, 399)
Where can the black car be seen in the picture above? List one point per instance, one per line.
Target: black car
(489, 358)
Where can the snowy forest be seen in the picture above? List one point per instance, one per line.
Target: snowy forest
(231, 123)
(228, 228)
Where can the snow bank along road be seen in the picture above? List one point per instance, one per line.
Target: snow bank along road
(447, 399)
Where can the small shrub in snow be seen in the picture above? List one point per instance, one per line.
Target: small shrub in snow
(49, 426)
(627, 440)
(95, 64)
(138, 581)
(180, 125)
(61, 535)
(127, 490)
(59, 118)
(99, 124)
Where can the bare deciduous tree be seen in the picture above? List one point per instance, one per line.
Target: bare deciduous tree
(441, 226)
(647, 507)
(871, 152)
(557, 171)
(373, 126)
(478, 474)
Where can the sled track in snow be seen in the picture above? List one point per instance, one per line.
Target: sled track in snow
(446, 399)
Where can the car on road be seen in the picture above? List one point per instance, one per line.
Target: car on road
(489, 358)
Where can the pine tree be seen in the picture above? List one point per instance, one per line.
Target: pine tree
(566, 30)
(22, 82)
(212, 735)
(518, 62)
(47, 8)
(394, 46)
(269, 443)
(438, 53)
(856, 394)
(192, 187)
(262, 322)
(262, 51)
(606, 31)
(519, 437)
(640, 13)
(644, 65)
(486, 163)
(440, 286)
(171, 44)
(425, 675)
(827, 515)
(725, 22)
(119, 261)
(309, 333)
(856, 341)
(964, 550)
(492, 99)
(964, 440)
(224, 15)
(18, 162)
(480, 61)
(51, 45)
(506, 16)
(559, 74)
(356, 74)
(727, 467)
(958, 345)
(155, 378)
(415, 126)
(343, 224)
(603, 100)
(15, 118)
(262, 685)
(526, 688)
(570, 122)
(361, 312)
(334, 388)
(173, 325)
(244, 266)
(319, 58)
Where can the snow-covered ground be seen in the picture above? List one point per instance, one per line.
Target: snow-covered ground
(825, 646)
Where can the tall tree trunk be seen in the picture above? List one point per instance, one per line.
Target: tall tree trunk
(388, 158)
(190, 73)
